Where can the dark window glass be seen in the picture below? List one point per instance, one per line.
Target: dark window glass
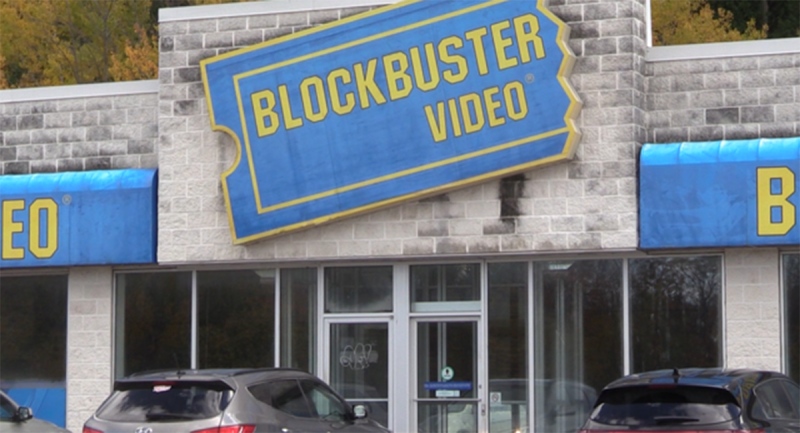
(791, 284)
(153, 321)
(287, 396)
(142, 402)
(298, 317)
(236, 318)
(661, 406)
(358, 289)
(33, 331)
(578, 326)
(359, 368)
(774, 400)
(445, 283)
(676, 312)
(326, 404)
(508, 346)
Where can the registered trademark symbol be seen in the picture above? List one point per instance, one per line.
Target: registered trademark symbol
(67, 199)
(529, 78)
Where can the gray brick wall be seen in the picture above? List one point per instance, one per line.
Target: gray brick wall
(77, 134)
(729, 98)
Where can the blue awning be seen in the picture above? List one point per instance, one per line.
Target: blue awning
(719, 194)
(103, 217)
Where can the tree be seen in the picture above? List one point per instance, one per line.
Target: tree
(3, 82)
(138, 61)
(782, 17)
(56, 42)
(694, 21)
(50, 42)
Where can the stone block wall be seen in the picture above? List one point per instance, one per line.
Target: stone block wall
(53, 134)
(726, 98)
(89, 357)
(753, 309)
(588, 204)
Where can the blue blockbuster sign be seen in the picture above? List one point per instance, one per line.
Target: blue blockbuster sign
(396, 104)
(720, 194)
(78, 218)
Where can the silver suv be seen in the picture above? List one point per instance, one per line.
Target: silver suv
(227, 401)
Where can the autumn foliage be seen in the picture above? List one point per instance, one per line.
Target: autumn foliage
(56, 42)
(677, 22)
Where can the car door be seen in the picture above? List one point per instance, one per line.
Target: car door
(333, 411)
(777, 403)
(296, 415)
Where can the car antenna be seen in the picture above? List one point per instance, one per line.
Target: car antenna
(676, 374)
(180, 372)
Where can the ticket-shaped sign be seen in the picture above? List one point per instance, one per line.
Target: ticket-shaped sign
(396, 104)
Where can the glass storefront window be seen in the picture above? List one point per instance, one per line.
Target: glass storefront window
(458, 285)
(298, 318)
(675, 308)
(508, 347)
(363, 289)
(33, 329)
(153, 318)
(578, 324)
(236, 318)
(33, 343)
(791, 293)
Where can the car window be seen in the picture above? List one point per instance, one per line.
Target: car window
(773, 401)
(286, 396)
(326, 403)
(161, 401)
(6, 408)
(794, 396)
(665, 405)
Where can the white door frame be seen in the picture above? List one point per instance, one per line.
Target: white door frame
(481, 358)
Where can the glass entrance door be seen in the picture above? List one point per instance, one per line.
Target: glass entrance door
(359, 364)
(448, 391)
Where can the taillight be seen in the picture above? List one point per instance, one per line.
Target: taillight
(90, 430)
(240, 428)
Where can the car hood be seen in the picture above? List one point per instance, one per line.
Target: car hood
(31, 426)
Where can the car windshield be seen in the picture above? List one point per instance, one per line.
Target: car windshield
(668, 405)
(164, 401)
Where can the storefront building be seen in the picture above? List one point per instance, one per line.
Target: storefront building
(496, 209)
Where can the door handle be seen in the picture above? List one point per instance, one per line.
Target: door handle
(483, 409)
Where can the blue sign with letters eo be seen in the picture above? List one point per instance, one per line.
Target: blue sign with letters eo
(403, 102)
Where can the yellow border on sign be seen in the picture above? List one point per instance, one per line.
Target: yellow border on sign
(573, 134)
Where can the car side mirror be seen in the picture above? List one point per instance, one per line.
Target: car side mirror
(360, 411)
(23, 414)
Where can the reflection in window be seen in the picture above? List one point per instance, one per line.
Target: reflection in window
(236, 318)
(298, 317)
(578, 325)
(153, 321)
(675, 308)
(360, 366)
(508, 346)
(445, 283)
(33, 330)
(791, 284)
(365, 289)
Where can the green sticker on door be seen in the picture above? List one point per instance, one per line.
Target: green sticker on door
(447, 373)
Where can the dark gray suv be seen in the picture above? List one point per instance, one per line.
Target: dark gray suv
(227, 401)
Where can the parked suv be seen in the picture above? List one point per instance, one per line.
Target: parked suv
(698, 400)
(227, 401)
